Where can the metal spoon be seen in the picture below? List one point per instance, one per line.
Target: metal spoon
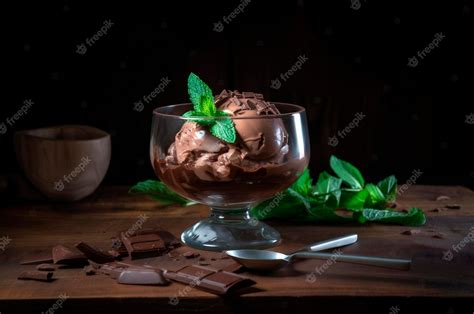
(330, 244)
(269, 260)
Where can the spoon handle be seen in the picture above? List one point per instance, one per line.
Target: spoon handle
(401, 264)
(332, 243)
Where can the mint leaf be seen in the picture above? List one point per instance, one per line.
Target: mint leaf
(284, 205)
(376, 198)
(196, 115)
(303, 184)
(201, 95)
(415, 217)
(160, 192)
(224, 129)
(347, 172)
(388, 186)
(353, 200)
(326, 187)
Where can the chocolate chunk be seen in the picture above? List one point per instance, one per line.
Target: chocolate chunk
(204, 263)
(442, 198)
(94, 254)
(453, 206)
(90, 270)
(209, 279)
(436, 210)
(67, 256)
(190, 254)
(148, 243)
(411, 232)
(36, 275)
(46, 267)
(142, 277)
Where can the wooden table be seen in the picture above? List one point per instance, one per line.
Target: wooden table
(434, 284)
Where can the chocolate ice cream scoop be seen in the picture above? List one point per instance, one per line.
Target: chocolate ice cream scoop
(263, 138)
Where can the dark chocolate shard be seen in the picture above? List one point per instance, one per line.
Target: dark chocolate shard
(209, 279)
(68, 256)
(94, 254)
(36, 275)
(142, 277)
(38, 258)
(453, 206)
(144, 244)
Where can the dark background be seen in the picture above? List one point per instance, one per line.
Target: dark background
(357, 62)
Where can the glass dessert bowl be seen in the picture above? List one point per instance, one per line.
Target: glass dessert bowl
(271, 150)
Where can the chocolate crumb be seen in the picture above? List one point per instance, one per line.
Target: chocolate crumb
(36, 275)
(213, 259)
(453, 206)
(438, 236)
(46, 267)
(204, 263)
(436, 210)
(442, 198)
(411, 232)
(89, 270)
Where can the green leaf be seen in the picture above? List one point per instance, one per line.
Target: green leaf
(303, 184)
(160, 192)
(347, 172)
(224, 129)
(284, 205)
(196, 115)
(388, 186)
(376, 198)
(353, 200)
(415, 217)
(326, 187)
(201, 95)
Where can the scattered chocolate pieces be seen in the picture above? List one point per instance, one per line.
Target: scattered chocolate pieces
(190, 254)
(142, 277)
(411, 232)
(46, 267)
(94, 254)
(453, 206)
(209, 279)
(89, 270)
(442, 198)
(67, 256)
(36, 275)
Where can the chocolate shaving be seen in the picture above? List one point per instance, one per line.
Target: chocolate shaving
(38, 259)
(46, 267)
(36, 275)
(453, 206)
(94, 254)
(443, 198)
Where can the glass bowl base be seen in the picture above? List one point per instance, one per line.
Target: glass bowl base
(230, 230)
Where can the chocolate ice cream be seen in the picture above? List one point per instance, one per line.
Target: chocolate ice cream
(204, 168)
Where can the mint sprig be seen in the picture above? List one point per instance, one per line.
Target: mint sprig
(202, 98)
(335, 199)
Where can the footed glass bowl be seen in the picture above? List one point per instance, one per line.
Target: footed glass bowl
(269, 154)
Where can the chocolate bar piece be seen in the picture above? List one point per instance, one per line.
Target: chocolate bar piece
(38, 259)
(144, 244)
(142, 277)
(209, 279)
(67, 256)
(36, 275)
(94, 254)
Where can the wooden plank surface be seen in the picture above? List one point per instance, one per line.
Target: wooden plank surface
(38, 227)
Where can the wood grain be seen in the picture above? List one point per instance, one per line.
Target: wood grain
(432, 283)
